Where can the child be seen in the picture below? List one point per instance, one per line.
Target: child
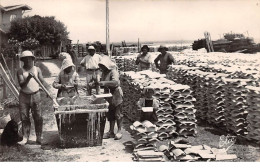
(67, 80)
(148, 101)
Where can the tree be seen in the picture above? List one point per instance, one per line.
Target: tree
(45, 30)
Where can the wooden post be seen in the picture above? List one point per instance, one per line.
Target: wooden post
(107, 28)
(112, 48)
(138, 45)
(4, 91)
(78, 48)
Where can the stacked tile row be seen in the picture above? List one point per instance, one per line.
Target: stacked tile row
(236, 106)
(253, 117)
(176, 111)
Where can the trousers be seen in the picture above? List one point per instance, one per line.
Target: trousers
(31, 103)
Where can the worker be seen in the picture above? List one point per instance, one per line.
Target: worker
(165, 59)
(144, 59)
(67, 80)
(147, 100)
(30, 97)
(90, 62)
(72, 53)
(64, 56)
(111, 83)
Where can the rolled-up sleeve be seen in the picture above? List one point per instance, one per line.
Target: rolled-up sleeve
(83, 61)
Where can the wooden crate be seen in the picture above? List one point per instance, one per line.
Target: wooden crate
(81, 127)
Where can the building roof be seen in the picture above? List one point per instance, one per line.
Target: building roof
(13, 7)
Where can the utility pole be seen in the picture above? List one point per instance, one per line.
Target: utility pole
(107, 28)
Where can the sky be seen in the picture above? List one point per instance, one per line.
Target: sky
(149, 20)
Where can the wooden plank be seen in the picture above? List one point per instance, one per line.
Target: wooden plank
(46, 91)
(8, 70)
(8, 82)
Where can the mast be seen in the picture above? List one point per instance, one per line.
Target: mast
(107, 28)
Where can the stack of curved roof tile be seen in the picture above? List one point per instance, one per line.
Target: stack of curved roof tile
(220, 93)
(236, 105)
(176, 111)
(216, 99)
(253, 117)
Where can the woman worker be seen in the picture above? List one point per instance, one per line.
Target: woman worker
(144, 59)
(67, 80)
(111, 83)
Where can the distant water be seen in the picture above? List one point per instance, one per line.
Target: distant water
(155, 43)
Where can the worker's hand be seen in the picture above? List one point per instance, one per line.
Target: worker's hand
(101, 83)
(63, 86)
(83, 65)
(91, 84)
(30, 75)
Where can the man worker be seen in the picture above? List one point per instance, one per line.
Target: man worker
(90, 62)
(72, 53)
(164, 58)
(30, 97)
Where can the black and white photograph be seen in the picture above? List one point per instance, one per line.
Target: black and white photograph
(130, 81)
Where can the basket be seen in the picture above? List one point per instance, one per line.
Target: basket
(81, 125)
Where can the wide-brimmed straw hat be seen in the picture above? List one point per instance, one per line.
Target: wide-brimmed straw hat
(27, 53)
(145, 47)
(162, 47)
(91, 48)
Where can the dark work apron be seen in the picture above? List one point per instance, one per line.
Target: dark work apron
(149, 116)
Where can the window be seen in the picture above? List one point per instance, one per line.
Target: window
(12, 17)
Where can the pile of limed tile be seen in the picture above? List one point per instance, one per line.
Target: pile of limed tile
(125, 63)
(176, 102)
(184, 110)
(186, 152)
(236, 106)
(215, 93)
(253, 117)
(146, 135)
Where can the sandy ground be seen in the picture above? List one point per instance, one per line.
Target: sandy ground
(111, 150)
